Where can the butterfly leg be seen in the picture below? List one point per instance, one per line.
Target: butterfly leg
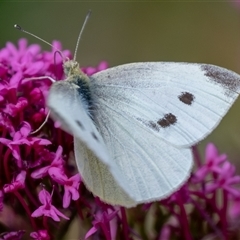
(39, 78)
(39, 128)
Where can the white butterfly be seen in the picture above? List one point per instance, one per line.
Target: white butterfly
(133, 125)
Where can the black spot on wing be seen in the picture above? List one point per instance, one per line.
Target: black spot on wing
(168, 120)
(226, 78)
(79, 124)
(186, 98)
(94, 136)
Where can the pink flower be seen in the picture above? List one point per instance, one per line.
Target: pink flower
(17, 183)
(225, 180)
(56, 163)
(212, 162)
(19, 138)
(22, 110)
(22, 137)
(47, 209)
(182, 193)
(40, 235)
(18, 235)
(71, 185)
(14, 109)
(23, 59)
(102, 221)
(91, 70)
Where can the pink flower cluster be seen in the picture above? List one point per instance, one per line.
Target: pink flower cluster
(41, 187)
(31, 165)
(213, 196)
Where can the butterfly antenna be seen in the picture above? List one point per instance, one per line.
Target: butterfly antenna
(18, 27)
(80, 34)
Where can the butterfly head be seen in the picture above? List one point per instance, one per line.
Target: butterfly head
(71, 68)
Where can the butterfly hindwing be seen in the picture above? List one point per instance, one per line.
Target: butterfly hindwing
(151, 168)
(101, 179)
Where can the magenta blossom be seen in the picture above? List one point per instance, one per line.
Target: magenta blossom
(102, 222)
(17, 183)
(17, 235)
(47, 209)
(91, 70)
(71, 185)
(212, 164)
(56, 163)
(40, 235)
(22, 137)
(225, 180)
(22, 59)
(26, 158)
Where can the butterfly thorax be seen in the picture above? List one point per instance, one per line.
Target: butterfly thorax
(78, 80)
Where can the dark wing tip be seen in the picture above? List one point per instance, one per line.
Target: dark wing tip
(229, 80)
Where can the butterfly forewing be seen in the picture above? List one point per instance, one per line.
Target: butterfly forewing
(69, 107)
(147, 113)
(179, 102)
